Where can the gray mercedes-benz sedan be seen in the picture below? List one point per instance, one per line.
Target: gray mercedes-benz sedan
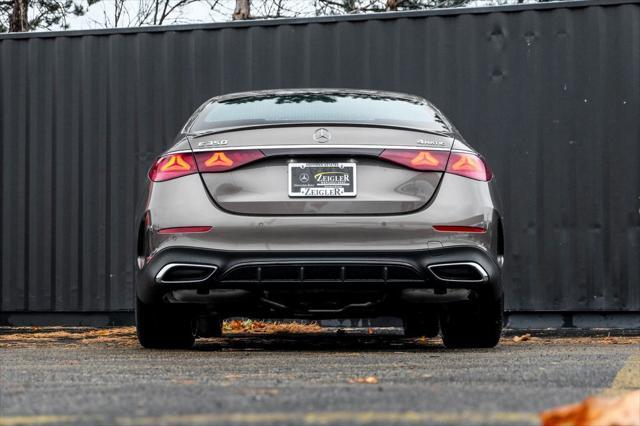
(320, 203)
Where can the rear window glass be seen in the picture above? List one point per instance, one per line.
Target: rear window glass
(318, 108)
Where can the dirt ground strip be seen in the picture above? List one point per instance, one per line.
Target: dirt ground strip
(126, 336)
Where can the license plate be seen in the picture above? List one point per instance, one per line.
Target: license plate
(322, 180)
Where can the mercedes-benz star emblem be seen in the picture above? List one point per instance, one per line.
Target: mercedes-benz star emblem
(321, 135)
(304, 177)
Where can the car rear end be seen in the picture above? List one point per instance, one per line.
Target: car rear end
(331, 215)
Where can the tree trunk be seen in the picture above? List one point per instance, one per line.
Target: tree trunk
(392, 5)
(18, 19)
(242, 10)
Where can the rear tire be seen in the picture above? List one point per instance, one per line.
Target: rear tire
(477, 325)
(421, 324)
(163, 326)
(209, 326)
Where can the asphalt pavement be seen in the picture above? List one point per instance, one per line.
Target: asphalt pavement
(347, 378)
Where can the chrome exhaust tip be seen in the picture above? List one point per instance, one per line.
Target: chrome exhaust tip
(461, 272)
(185, 273)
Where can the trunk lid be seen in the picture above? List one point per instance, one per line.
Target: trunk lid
(263, 187)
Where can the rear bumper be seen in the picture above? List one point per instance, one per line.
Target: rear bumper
(185, 202)
(244, 283)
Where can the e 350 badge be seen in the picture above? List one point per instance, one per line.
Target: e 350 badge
(209, 144)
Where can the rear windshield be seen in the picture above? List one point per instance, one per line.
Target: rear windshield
(318, 108)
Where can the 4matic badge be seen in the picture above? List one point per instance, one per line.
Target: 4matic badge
(426, 142)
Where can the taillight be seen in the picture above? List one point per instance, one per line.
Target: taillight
(222, 161)
(172, 166)
(459, 163)
(468, 165)
(417, 159)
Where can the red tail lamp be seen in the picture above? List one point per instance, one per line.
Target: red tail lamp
(172, 166)
(417, 159)
(219, 159)
(468, 165)
(457, 228)
(459, 163)
(222, 161)
(184, 230)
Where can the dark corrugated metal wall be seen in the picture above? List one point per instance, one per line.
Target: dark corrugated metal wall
(550, 93)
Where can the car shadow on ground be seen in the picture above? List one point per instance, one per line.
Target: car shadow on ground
(319, 342)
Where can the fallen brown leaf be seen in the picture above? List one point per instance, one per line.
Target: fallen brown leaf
(234, 325)
(522, 338)
(369, 380)
(369, 330)
(596, 411)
